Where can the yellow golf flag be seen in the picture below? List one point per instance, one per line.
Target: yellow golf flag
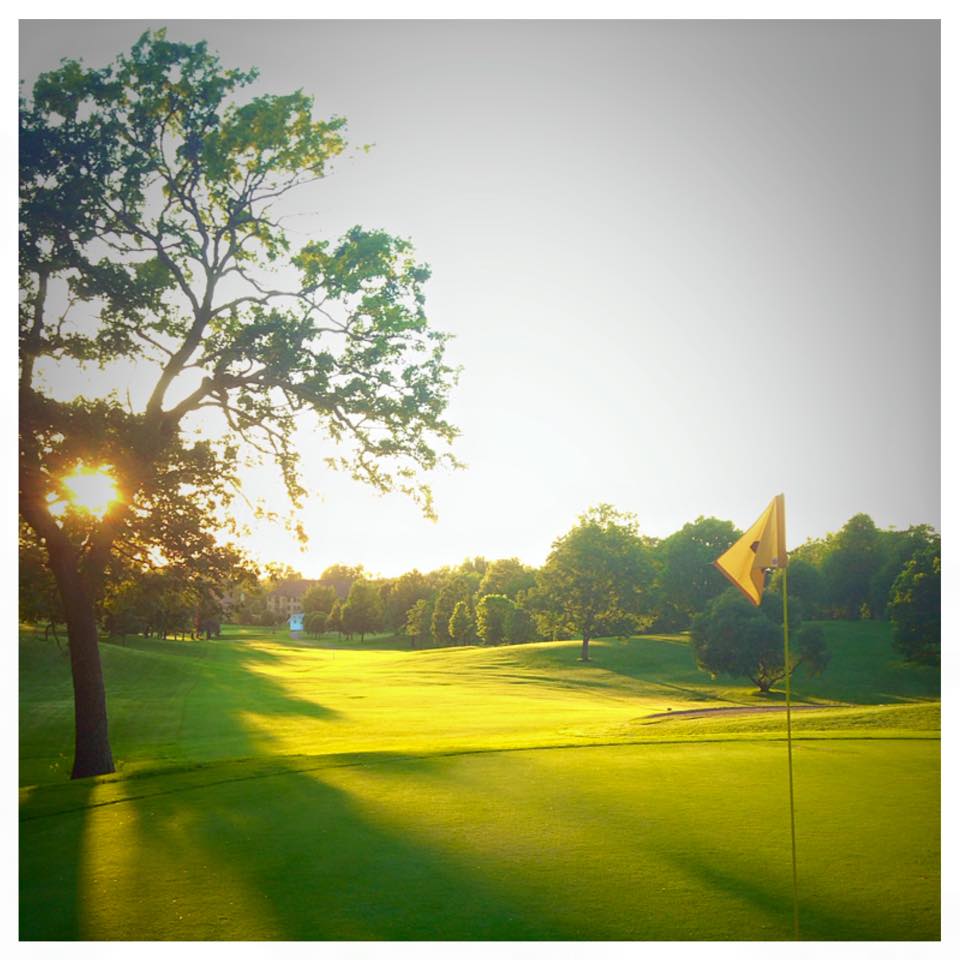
(763, 546)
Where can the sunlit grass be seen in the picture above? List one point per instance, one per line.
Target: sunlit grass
(323, 790)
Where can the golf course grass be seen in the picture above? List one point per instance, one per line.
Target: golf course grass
(276, 788)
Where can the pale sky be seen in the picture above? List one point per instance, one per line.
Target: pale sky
(689, 265)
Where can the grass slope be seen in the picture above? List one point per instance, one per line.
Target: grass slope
(277, 790)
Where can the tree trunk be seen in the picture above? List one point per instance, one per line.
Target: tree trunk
(585, 648)
(92, 755)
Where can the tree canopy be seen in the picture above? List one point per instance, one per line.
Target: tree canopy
(597, 574)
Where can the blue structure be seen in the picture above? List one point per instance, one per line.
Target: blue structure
(296, 621)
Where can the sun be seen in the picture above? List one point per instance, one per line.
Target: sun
(90, 489)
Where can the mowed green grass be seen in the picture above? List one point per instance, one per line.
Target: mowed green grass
(270, 789)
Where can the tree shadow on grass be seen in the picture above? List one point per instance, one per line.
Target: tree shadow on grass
(50, 862)
(842, 921)
(55, 818)
(221, 687)
(261, 848)
(285, 856)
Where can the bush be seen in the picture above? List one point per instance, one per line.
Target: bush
(735, 638)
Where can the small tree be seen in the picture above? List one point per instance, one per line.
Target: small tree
(915, 608)
(315, 623)
(735, 638)
(461, 627)
(419, 618)
(494, 613)
(334, 622)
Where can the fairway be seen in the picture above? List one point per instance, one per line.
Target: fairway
(271, 789)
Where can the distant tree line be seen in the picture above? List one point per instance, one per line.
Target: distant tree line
(186, 598)
(601, 578)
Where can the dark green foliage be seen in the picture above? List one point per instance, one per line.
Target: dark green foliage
(897, 546)
(158, 604)
(39, 599)
(806, 586)
(315, 623)
(849, 574)
(521, 627)
(735, 638)
(915, 608)
(687, 578)
(848, 569)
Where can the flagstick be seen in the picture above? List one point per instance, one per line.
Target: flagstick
(793, 828)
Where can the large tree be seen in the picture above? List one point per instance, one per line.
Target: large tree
(597, 575)
(150, 234)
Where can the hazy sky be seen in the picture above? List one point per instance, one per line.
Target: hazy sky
(689, 265)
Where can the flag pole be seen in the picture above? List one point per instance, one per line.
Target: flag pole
(793, 828)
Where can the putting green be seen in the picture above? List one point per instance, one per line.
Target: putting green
(273, 791)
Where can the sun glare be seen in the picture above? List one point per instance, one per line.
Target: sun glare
(91, 489)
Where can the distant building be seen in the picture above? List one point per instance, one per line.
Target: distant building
(287, 597)
(296, 621)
